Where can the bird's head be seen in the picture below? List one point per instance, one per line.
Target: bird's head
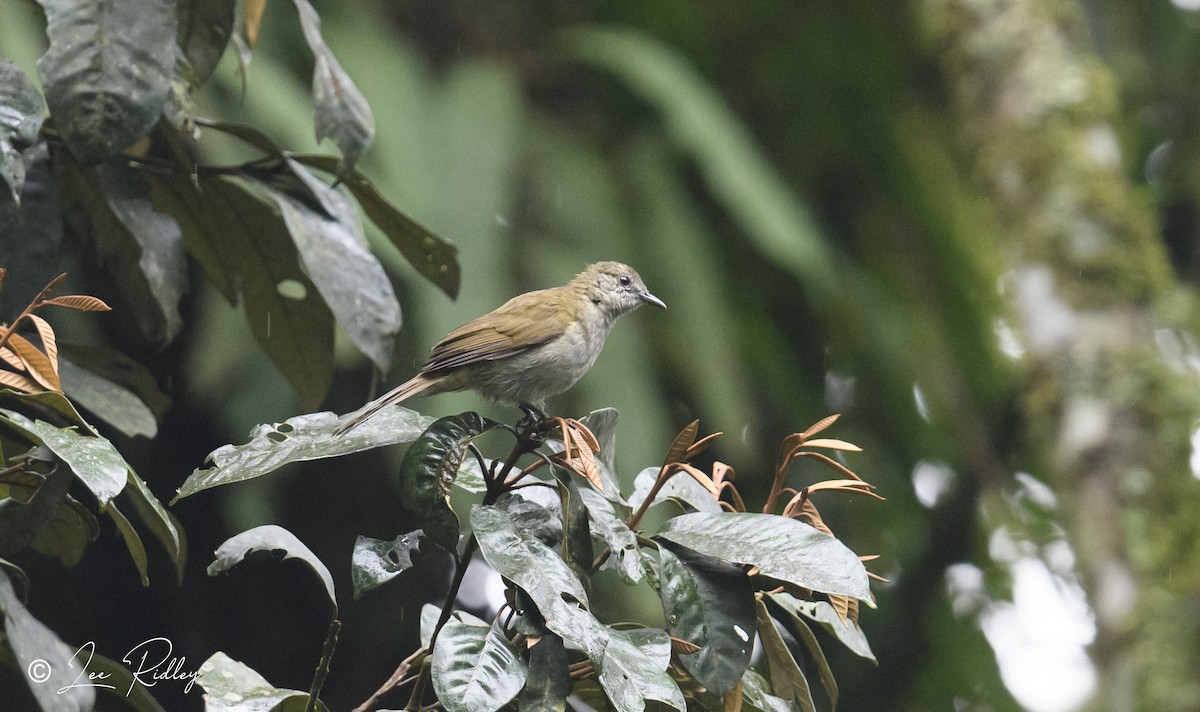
(616, 288)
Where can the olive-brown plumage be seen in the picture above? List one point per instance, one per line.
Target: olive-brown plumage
(534, 346)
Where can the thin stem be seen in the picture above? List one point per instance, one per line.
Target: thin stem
(777, 484)
(396, 680)
(335, 627)
(664, 474)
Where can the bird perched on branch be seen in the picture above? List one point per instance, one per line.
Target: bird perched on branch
(536, 345)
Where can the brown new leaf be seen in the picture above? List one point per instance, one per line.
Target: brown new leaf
(679, 446)
(18, 382)
(733, 698)
(49, 344)
(80, 302)
(579, 453)
(809, 515)
(700, 445)
(700, 477)
(254, 13)
(37, 364)
(11, 359)
(684, 647)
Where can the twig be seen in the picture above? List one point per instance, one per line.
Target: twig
(335, 627)
(396, 680)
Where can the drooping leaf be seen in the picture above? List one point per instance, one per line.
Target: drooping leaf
(428, 470)
(335, 255)
(680, 487)
(376, 561)
(93, 459)
(609, 524)
(711, 604)
(781, 548)
(804, 635)
(434, 258)
(121, 370)
(161, 523)
(22, 521)
(36, 363)
(51, 407)
(756, 692)
(31, 234)
(824, 615)
(548, 682)
(107, 71)
(133, 541)
(202, 33)
(233, 687)
(787, 680)
(68, 533)
(270, 537)
(123, 680)
(246, 252)
(108, 401)
(46, 661)
(304, 437)
(78, 302)
(21, 112)
(140, 248)
(340, 112)
(475, 668)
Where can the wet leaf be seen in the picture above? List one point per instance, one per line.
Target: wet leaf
(377, 561)
(233, 687)
(475, 668)
(304, 437)
(824, 615)
(428, 470)
(680, 487)
(548, 682)
(93, 459)
(108, 401)
(270, 537)
(787, 680)
(21, 112)
(709, 603)
(781, 548)
(609, 525)
(107, 71)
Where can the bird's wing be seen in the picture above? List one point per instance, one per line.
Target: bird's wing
(521, 323)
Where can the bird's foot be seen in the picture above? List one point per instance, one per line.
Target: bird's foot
(534, 419)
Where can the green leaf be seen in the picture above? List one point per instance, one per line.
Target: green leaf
(633, 670)
(117, 368)
(681, 487)
(335, 256)
(434, 259)
(428, 470)
(202, 33)
(781, 548)
(475, 668)
(140, 248)
(68, 533)
(805, 635)
(576, 544)
(161, 523)
(245, 250)
(711, 604)
(376, 561)
(548, 682)
(21, 114)
(128, 686)
(93, 459)
(304, 437)
(31, 234)
(756, 692)
(609, 524)
(233, 687)
(631, 667)
(824, 615)
(38, 650)
(787, 680)
(270, 537)
(133, 541)
(429, 618)
(107, 71)
(22, 522)
(49, 406)
(533, 518)
(116, 405)
(340, 112)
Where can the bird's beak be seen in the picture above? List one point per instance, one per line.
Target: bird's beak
(649, 298)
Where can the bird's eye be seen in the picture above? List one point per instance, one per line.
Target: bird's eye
(624, 280)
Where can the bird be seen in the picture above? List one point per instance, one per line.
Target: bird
(534, 346)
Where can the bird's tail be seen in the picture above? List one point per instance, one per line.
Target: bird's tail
(404, 391)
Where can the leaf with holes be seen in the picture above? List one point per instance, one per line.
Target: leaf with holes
(304, 437)
(93, 459)
(377, 561)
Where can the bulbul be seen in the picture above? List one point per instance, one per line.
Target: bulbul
(534, 346)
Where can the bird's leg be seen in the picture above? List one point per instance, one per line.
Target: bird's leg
(534, 417)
